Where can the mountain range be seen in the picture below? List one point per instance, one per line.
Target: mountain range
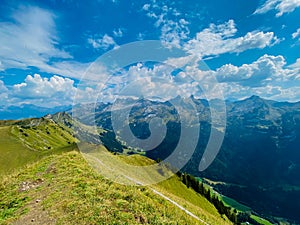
(259, 160)
(24, 111)
(45, 179)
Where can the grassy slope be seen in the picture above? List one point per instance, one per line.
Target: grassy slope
(13, 152)
(43, 134)
(29, 140)
(177, 191)
(63, 189)
(196, 203)
(260, 220)
(233, 203)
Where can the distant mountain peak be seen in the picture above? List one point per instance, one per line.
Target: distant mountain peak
(253, 98)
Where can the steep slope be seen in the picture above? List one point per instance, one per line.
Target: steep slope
(64, 189)
(24, 141)
(259, 156)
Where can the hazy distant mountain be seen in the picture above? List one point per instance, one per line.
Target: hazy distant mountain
(28, 111)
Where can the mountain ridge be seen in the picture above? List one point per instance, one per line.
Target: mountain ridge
(259, 154)
(30, 194)
(260, 149)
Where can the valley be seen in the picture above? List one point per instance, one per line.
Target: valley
(155, 112)
(249, 188)
(260, 152)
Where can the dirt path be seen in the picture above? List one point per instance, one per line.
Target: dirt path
(170, 200)
(137, 182)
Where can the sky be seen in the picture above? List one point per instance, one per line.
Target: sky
(250, 47)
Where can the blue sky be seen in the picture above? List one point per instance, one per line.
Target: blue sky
(251, 47)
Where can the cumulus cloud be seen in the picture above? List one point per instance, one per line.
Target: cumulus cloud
(281, 6)
(268, 77)
(54, 89)
(253, 74)
(284, 94)
(219, 39)
(48, 92)
(139, 80)
(104, 42)
(158, 83)
(215, 40)
(295, 65)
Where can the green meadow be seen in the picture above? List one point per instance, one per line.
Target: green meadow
(46, 180)
(27, 141)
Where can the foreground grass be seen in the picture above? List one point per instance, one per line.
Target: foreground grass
(196, 203)
(63, 189)
(177, 191)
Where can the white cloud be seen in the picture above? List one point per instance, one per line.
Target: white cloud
(47, 92)
(118, 32)
(295, 65)
(158, 83)
(2, 87)
(146, 7)
(29, 40)
(3, 93)
(173, 31)
(72, 69)
(219, 39)
(139, 81)
(54, 89)
(295, 70)
(284, 94)
(140, 36)
(254, 74)
(235, 91)
(268, 77)
(267, 6)
(1, 66)
(281, 6)
(104, 43)
(296, 34)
